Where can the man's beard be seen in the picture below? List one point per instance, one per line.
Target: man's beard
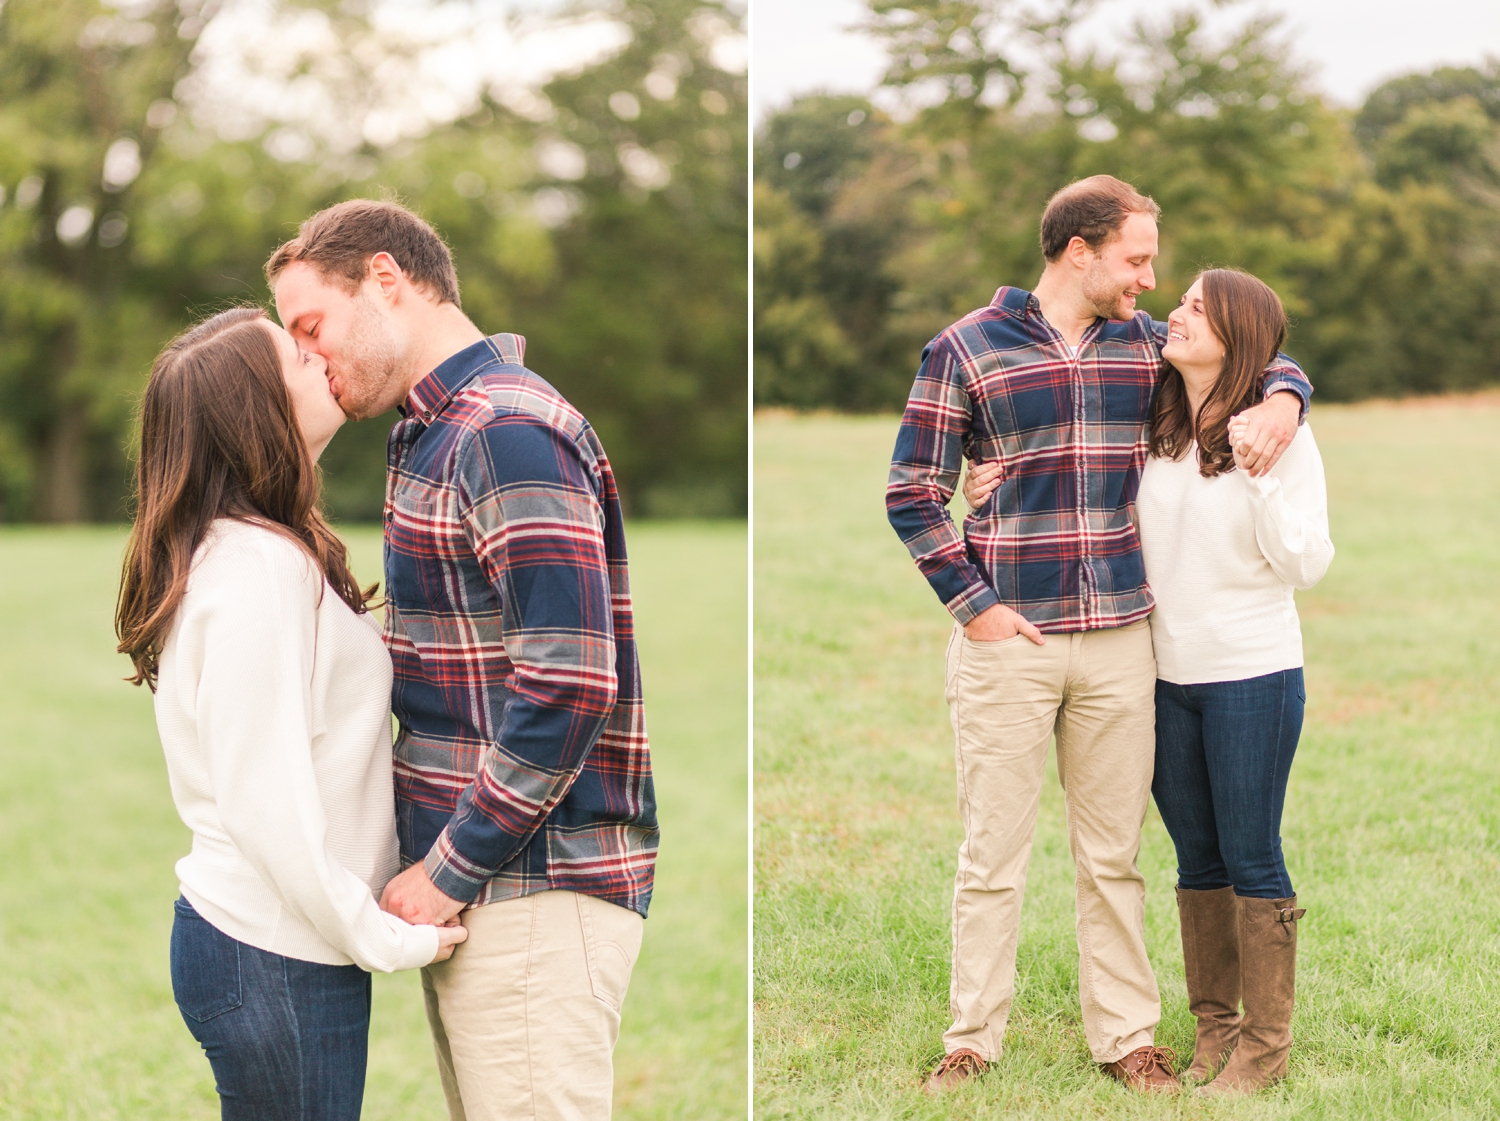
(1105, 296)
(368, 366)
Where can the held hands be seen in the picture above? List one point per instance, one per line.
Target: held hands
(1258, 436)
(413, 896)
(450, 934)
(996, 624)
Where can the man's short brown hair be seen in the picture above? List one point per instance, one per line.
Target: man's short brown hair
(340, 241)
(1093, 209)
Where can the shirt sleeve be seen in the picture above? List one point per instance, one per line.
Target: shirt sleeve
(529, 505)
(924, 473)
(1285, 376)
(1290, 507)
(253, 706)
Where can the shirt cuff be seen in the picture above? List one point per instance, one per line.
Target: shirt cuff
(973, 602)
(452, 874)
(1289, 387)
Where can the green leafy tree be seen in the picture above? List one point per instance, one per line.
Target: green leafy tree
(603, 218)
(85, 94)
(1378, 229)
(831, 215)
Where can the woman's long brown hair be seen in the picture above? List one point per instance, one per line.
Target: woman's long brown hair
(219, 439)
(1248, 319)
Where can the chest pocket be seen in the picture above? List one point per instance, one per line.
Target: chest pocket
(1125, 382)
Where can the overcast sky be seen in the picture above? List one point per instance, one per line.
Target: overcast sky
(799, 45)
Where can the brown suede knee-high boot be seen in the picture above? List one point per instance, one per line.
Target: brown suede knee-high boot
(1210, 923)
(1268, 972)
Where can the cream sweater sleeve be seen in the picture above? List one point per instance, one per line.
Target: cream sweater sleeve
(1290, 507)
(253, 706)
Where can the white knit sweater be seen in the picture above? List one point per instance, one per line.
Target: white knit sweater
(1223, 556)
(273, 704)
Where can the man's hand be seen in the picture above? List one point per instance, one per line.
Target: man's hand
(413, 897)
(979, 480)
(995, 624)
(1260, 434)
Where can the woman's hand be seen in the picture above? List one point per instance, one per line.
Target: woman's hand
(450, 934)
(1239, 446)
(980, 480)
(1262, 432)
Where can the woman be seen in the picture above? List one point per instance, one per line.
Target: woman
(1223, 552)
(238, 609)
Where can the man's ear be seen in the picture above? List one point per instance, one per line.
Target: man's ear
(1079, 253)
(386, 273)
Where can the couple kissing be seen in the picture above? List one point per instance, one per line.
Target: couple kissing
(517, 796)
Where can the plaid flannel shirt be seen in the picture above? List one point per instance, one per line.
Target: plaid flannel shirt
(1056, 540)
(521, 763)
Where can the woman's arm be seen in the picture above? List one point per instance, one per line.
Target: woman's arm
(257, 609)
(980, 480)
(1290, 506)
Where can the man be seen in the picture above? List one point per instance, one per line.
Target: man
(523, 779)
(1049, 592)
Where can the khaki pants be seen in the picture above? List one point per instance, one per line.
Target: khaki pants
(1095, 691)
(525, 1014)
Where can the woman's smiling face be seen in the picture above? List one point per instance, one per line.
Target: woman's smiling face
(1190, 340)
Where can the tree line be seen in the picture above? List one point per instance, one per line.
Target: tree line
(603, 217)
(1378, 227)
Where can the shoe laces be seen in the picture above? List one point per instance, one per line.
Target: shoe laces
(958, 1059)
(1157, 1058)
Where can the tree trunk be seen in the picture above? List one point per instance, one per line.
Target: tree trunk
(60, 491)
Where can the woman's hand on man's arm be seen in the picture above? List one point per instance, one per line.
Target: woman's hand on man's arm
(980, 481)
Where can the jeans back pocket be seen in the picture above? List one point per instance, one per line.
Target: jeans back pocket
(205, 966)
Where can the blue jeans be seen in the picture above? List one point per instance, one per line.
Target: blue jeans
(286, 1038)
(1223, 753)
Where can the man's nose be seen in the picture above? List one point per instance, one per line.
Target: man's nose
(1148, 279)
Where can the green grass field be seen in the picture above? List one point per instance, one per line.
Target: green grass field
(88, 1029)
(1392, 826)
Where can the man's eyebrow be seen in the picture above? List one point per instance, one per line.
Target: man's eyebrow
(296, 319)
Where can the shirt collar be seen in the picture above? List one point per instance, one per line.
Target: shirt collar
(1025, 305)
(1017, 301)
(430, 396)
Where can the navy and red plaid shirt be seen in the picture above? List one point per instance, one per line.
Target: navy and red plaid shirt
(521, 763)
(1056, 540)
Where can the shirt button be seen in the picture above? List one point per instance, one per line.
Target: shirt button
(390, 515)
(426, 414)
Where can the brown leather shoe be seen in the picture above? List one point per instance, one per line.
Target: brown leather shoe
(1148, 1069)
(955, 1070)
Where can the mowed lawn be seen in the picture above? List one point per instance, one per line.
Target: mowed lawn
(1392, 826)
(88, 1029)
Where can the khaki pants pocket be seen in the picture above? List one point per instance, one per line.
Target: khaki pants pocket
(611, 944)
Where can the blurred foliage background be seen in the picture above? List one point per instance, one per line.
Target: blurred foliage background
(587, 163)
(1379, 227)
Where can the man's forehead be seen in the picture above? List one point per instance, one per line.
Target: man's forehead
(299, 293)
(1137, 235)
